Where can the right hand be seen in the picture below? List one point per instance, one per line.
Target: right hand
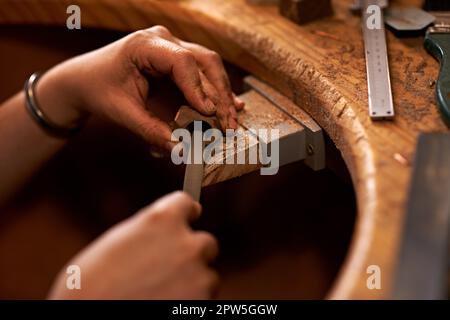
(152, 255)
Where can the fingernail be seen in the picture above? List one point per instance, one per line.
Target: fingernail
(238, 102)
(224, 124)
(210, 107)
(232, 123)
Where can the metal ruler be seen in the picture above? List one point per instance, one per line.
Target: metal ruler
(381, 105)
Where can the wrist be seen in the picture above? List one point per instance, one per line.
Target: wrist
(57, 101)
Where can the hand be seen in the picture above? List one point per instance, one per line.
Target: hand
(153, 255)
(111, 82)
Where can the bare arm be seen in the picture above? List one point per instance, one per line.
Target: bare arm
(24, 146)
(111, 82)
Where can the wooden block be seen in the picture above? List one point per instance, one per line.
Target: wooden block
(186, 115)
(304, 11)
(218, 170)
(259, 113)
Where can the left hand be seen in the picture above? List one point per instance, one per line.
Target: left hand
(112, 82)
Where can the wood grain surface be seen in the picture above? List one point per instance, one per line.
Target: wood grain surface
(241, 153)
(321, 67)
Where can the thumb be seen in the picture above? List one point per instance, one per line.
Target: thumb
(146, 125)
(157, 133)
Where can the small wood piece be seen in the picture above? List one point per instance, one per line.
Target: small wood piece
(186, 115)
(259, 113)
(304, 11)
(219, 169)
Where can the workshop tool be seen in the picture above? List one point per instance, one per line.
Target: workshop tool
(437, 42)
(196, 123)
(300, 137)
(404, 19)
(304, 11)
(193, 176)
(422, 270)
(381, 105)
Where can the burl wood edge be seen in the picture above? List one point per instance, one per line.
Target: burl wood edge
(321, 67)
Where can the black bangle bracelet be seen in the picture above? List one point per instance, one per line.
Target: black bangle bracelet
(37, 114)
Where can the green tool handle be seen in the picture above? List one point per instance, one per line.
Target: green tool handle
(438, 44)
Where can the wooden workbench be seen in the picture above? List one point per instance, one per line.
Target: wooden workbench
(321, 67)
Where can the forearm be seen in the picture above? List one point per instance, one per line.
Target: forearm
(24, 145)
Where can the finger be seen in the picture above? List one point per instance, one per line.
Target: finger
(221, 113)
(233, 113)
(212, 66)
(159, 56)
(210, 90)
(162, 32)
(209, 247)
(155, 131)
(238, 102)
(232, 118)
(132, 115)
(212, 281)
(232, 122)
(204, 282)
(180, 205)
